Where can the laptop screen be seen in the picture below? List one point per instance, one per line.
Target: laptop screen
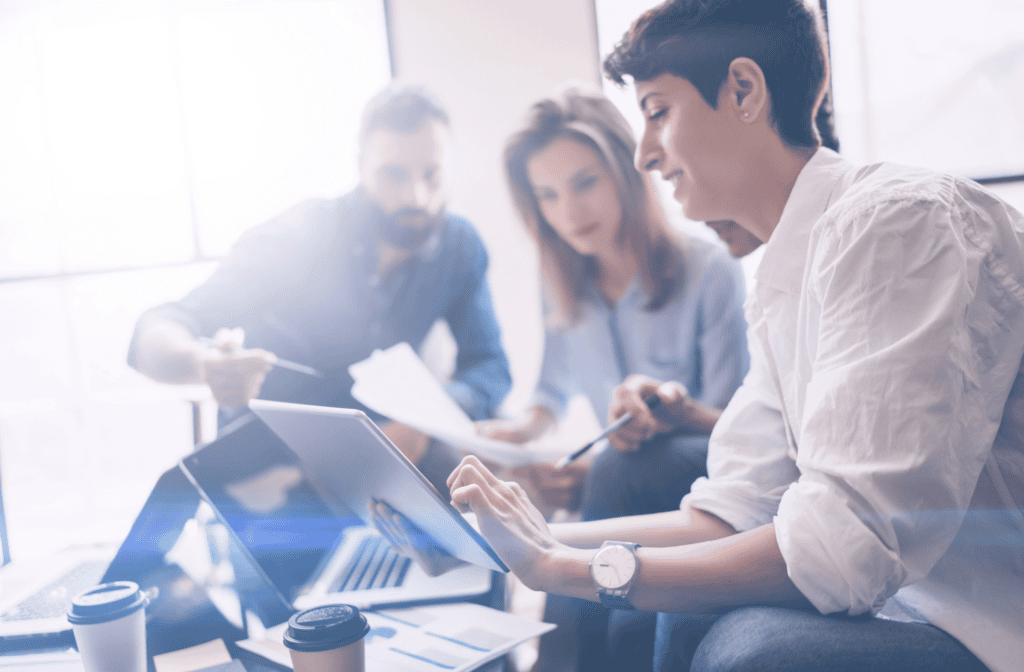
(255, 483)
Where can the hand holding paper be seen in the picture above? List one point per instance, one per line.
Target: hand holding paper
(396, 383)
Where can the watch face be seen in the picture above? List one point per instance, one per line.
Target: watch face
(613, 567)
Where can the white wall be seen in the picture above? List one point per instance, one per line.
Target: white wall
(488, 61)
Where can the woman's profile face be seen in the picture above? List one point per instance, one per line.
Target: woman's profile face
(692, 145)
(577, 195)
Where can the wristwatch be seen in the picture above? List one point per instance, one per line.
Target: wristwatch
(613, 569)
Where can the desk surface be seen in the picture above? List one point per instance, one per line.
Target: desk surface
(63, 661)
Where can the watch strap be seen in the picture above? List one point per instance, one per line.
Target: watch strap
(614, 601)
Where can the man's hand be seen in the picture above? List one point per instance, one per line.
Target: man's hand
(409, 540)
(234, 374)
(557, 488)
(527, 427)
(507, 519)
(677, 410)
(411, 443)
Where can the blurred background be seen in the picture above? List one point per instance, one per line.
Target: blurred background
(139, 138)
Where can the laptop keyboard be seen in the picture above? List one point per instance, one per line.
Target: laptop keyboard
(374, 565)
(53, 599)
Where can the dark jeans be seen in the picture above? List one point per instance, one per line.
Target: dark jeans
(774, 639)
(651, 480)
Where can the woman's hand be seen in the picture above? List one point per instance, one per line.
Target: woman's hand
(507, 519)
(527, 427)
(513, 431)
(410, 442)
(677, 409)
(409, 540)
(557, 488)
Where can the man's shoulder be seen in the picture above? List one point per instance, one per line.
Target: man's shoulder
(303, 219)
(307, 226)
(461, 242)
(706, 255)
(462, 229)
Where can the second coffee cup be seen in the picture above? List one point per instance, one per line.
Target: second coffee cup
(327, 639)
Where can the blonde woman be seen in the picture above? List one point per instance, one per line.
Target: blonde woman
(626, 297)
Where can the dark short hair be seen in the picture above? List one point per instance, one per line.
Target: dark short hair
(698, 39)
(826, 123)
(401, 108)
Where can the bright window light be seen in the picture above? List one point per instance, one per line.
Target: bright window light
(139, 139)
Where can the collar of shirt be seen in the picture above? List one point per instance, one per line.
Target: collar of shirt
(783, 262)
(634, 296)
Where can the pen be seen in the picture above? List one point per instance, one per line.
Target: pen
(280, 363)
(652, 404)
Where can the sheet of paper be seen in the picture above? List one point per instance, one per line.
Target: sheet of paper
(193, 658)
(396, 383)
(54, 661)
(455, 637)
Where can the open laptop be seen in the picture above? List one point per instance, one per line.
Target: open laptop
(34, 599)
(309, 546)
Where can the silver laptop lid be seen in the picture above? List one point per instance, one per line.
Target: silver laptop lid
(356, 465)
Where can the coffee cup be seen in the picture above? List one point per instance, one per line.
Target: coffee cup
(109, 622)
(327, 639)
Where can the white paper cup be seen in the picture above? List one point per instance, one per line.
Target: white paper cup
(109, 622)
(327, 639)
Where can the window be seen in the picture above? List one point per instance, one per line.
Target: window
(933, 84)
(139, 138)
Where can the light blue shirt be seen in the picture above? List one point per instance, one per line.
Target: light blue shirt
(697, 338)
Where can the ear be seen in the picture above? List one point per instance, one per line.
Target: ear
(745, 90)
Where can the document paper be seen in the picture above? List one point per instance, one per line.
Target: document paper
(396, 383)
(454, 637)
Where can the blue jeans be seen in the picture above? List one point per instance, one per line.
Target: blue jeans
(773, 639)
(651, 480)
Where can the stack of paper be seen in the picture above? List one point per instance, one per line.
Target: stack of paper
(396, 383)
(447, 636)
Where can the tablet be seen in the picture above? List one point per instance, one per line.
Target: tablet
(354, 465)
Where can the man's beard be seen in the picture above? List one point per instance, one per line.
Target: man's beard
(407, 228)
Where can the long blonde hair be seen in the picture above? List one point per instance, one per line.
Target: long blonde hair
(589, 118)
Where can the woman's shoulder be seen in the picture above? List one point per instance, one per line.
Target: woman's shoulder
(701, 258)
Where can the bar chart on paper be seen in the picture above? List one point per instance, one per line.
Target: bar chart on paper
(456, 637)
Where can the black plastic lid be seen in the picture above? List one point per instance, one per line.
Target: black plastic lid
(106, 602)
(325, 628)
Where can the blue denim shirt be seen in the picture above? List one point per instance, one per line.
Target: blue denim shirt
(305, 287)
(698, 338)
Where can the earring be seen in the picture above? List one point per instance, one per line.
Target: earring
(746, 114)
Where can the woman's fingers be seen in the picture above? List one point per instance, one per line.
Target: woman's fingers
(476, 469)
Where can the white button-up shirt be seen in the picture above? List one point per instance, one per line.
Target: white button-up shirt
(886, 331)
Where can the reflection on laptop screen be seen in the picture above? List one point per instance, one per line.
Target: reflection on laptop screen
(255, 482)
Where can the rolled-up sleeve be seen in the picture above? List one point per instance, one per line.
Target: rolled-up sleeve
(892, 437)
